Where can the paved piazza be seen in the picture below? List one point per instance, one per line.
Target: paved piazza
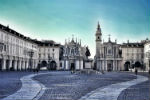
(62, 85)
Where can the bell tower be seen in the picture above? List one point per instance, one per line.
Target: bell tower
(98, 40)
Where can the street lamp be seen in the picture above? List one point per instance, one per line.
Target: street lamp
(49, 59)
(31, 55)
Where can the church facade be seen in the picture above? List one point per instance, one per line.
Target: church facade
(73, 55)
(108, 54)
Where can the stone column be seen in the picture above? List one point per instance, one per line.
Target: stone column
(4, 64)
(15, 64)
(19, 65)
(114, 65)
(10, 63)
(65, 64)
(106, 65)
(33, 64)
(103, 65)
(27, 64)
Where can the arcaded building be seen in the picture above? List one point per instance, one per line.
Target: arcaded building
(133, 55)
(49, 53)
(17, 52)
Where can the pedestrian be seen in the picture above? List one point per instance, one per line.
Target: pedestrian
(136, 71)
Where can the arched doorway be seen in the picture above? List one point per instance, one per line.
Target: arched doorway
(137, 64)
(44, 64)
(0, 64)
(7, 65)
(53, 65)
(109, 67)
(13, 64)
(127, 66)
(72, 66)
(94, 68)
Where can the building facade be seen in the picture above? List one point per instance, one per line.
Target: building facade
(49, 54)
(17, 52)
(133, 55)
(108, 54)
(147, 55)
(73, 55)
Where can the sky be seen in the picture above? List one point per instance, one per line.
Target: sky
(60, 19)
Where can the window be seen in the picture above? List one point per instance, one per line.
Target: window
(72, 51)
(109, 52)
(39, 55)
(4, 47)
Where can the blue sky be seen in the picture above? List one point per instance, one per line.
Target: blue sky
(59, 19)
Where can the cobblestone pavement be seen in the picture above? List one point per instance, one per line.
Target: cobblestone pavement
(137, 92)
(66, 86)
(10, 82)
(111, 92)
(62, 85)
(29, 89)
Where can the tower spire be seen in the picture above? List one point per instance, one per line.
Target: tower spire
(109, 40)
(98, 26)
(98, 39)
(98, 33)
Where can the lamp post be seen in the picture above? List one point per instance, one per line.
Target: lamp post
(49, 58)
(31, 55)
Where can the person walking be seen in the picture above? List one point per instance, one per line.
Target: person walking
(136, 71)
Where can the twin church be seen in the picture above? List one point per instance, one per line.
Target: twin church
(18, 52)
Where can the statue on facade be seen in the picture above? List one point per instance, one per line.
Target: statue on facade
(87, 53)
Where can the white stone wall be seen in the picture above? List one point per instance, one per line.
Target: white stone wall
(147, 55)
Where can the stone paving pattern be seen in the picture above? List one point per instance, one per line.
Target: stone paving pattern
(62, 85)
(137, 92)
(66, 86)
(10, 82)
(111, 92)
